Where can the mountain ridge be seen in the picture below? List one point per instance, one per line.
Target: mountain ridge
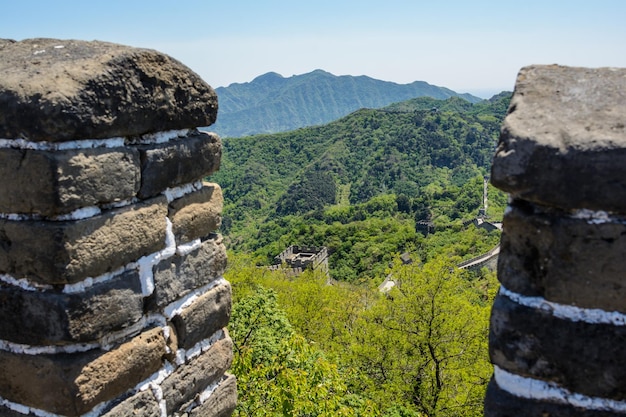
(271, 103)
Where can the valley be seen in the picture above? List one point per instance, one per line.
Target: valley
(363, 187)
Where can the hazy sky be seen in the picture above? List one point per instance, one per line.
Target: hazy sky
(469, 46)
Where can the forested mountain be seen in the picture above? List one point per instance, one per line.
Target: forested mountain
(272, 103)
(399, 166)
(360, 186)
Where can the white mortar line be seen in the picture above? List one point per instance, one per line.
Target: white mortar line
(534, 389)
(567, 312)
(590, 216)
(206, 394)
(82, 213)
(179, 305)
(89, 282)
(153, 382)
(23, 349)
(186, 248)
(177, 192)
(23, 283)
(20, 408)
(595, 217)
(115, 142)
(203, 345)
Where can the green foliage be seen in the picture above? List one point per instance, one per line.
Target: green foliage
(359, 186)
(316, 190)
(279, 373)
(420, 350)
(425, 343)
(432, 161)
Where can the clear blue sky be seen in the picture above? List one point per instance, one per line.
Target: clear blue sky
(469, 46)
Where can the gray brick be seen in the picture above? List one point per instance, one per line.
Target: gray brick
(67, 252)
(177, 276)
(141, 404)
(197, 214)
(204, 316)
(47, 318)
(190, 379)
(581, 357)
(178, 162)
(563, 143)
(53, 183)
(563, 259)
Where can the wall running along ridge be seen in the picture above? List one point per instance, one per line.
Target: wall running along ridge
(558, 324)
(112, 296)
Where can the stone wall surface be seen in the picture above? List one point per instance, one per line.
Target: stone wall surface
(112, 300)
(558, 324)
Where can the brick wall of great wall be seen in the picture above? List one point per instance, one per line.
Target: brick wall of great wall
(112, 301)
(558, 325)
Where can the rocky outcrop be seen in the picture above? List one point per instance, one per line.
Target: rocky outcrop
(112, 301)
(559, 321)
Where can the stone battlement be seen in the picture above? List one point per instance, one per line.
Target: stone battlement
(112, 300)
(557, 324)
(299, 258)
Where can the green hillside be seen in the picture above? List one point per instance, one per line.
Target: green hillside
(371, 171)
(359, 186)
(272, 103)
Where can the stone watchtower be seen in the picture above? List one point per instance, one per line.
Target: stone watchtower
(558, 325)
(112, 301)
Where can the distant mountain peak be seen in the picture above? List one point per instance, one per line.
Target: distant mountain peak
(268, 77)
(271, 103)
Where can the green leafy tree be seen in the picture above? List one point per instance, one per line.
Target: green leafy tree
(424, 344)
(279, 373)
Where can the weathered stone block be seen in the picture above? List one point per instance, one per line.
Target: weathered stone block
(69, 251)
(221, 403)
(53, 183)
(178, 162)
(61, 90)
(195, 376)
(177, 276)
(142, 404)
(204, 316)
(197, 214)
(72, 384)
(563, 259)
(499, 403)
(563, 142)
(581, 357)
(48, 318)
